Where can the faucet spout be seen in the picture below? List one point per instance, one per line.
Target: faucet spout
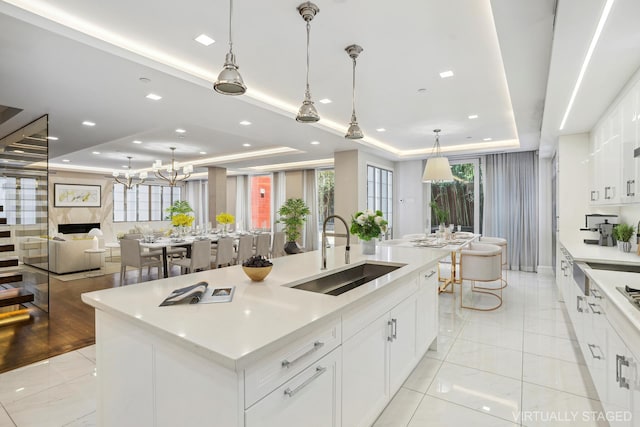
(347, 251)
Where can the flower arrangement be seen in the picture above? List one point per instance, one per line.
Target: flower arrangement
(225, 218)
(368, 225)
(182, 219)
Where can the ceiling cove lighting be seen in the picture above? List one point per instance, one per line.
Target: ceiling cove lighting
(229, 80)
(88, 123)
(587, 59)
(446, 74)
(171, 173)
(437, 167)
(153, 97)
(308, 112)
(354, 131)
(205, 40)
(130, 180)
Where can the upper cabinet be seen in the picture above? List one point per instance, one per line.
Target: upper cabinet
(613, 170)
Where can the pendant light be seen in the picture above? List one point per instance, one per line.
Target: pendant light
(437, 167)
(354, 131)
(229, 80)
(308, 112)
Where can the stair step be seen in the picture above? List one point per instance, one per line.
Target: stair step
(14, 296)
(6, 233)
(7, 248)
(9, 262)
(15, 316)
(10, 277)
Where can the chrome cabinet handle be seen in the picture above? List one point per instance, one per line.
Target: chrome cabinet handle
(630, 193)
(591, 347)
(596, 294)
(394, 329)
(319, 371)
(594, 195)
(620, 362)
(606, 193)
(578, 308)
(316, 346)
(431, 273)
(593, 310)
(390, 336)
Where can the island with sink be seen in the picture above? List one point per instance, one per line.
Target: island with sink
(307, 346)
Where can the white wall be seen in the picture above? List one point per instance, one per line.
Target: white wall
(544, 213)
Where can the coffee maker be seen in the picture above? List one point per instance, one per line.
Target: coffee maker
(603, 225)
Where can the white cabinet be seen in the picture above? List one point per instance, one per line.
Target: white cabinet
(310, 399)
(622, 376)
(630, 182)
(403, 342)
(426, 310)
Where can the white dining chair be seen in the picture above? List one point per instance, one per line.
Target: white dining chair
(245, 249)
(499, 241)
(277, 247)
(481, 263)
(200, 257)
(131, 256)
(224, 253)
(263, 244)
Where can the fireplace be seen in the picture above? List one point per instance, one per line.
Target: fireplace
(77, 228)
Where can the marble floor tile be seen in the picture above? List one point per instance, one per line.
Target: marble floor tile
(560, 328)
(546, 311)
(444, 345)
(545, 407)
(482, 391)
(88, 420)
(5, 420)
(423, 374)
(22, 382)
(513, 319)
(399, 411)
(501, 336)
(558, 374)
(450, 324)
(89, 352)
(489, 358)
(56, 406)
(557, 348)
(435, 412)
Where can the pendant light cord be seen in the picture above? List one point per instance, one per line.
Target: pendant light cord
(353, 93)
(308, 36)
(230, 15)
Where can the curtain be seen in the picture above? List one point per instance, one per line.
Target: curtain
(310, 235)
(242, 202)
(196, 193)
(511, 206)
(278, 197)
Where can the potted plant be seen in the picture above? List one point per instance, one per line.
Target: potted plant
(178, 214)
(368, 225)
(293, 214)
(623, 233)
(441, 214)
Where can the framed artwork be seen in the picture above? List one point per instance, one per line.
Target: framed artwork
(76, 196)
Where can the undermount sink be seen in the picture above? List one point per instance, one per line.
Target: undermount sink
(345, 280)
(614, 267)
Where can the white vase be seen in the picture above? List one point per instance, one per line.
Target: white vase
(369, 247)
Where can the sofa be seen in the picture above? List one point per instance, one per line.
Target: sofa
(65, 256)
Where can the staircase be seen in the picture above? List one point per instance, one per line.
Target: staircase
(11, 295)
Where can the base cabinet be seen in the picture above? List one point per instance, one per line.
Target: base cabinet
(310, 399)
(402, 347)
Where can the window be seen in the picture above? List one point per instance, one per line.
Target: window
(18, 196)
(326, 194)
(380, 191)
(142, 202)
(260, 187)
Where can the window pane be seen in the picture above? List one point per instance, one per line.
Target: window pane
(380, 191)
(118, 203)
(166, 200)
(261, 202)
(326, 185)
(454, 201)
(28, 200)
(143, 202)
(132, 208)
(156, 203)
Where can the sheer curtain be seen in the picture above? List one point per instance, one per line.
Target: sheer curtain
(511, 206)
(242, 201)
(310, 241)
(195, 192)
(278, 197)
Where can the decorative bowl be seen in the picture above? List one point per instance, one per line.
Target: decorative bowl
(257, 274)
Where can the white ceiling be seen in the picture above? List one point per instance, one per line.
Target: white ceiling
(81, 60)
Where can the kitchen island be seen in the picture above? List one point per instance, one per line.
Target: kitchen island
(275, 355)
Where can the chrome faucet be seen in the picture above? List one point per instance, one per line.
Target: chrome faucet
(347, 258)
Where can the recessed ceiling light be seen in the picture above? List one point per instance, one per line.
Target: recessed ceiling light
(124, 166)
(315, 142)
(203, 152)
(205, 40)
(88, 123)
(66, 160)
(95, 152)
(153, 97)
(52, 138)
(325, 101)
(487, 139)
(18, 151)
(246, 145)
(137, 142)
(245, 123)
(179, 130)
(422, 90)
(473, 116)
(381, 130)
(446, 74)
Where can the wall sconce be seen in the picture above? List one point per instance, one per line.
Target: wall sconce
(262, 192)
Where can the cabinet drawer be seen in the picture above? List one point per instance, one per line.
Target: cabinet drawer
(310, 399)
(270, 372)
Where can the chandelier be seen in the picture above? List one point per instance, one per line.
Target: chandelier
(170, 173)
(130, 180)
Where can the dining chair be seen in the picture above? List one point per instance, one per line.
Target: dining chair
(245, 249)
(200, 257)
(499, 241)
(481, 263)
(277, 247)
(131, 256)
(224, 253)
(263, 245)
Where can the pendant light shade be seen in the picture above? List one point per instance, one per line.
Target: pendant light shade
(437, 167)
(308, 112)
(229, 80)
(354, 131)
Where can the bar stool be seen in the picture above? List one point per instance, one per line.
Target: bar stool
(499, 241)
(481, 263)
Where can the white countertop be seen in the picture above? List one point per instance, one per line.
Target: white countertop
(261, 313)
(580, 251)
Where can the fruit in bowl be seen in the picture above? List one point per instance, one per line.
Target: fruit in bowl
(257, 268)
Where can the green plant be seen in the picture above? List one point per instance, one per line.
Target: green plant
(441, 214)
(293, 214)
(623, 232)
(368, 225)
(178, 207)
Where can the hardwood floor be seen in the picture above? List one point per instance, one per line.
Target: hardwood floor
(69, 325)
